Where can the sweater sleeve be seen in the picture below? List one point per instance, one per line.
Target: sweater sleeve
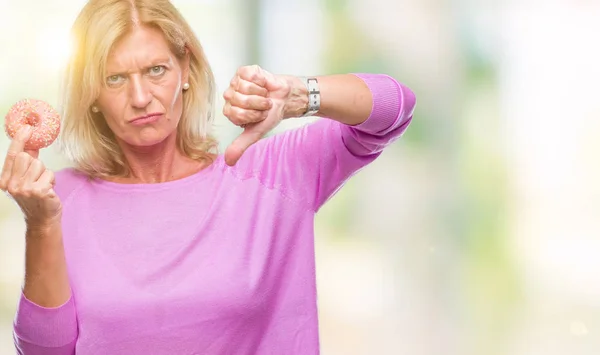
(312, 162)
(39, 330)
(45, 331)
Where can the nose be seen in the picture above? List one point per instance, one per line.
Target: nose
(140, 93)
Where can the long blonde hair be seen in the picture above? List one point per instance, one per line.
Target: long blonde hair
(85, 137)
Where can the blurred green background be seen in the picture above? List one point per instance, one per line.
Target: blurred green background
(477, 233)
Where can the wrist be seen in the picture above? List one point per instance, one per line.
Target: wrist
(297, 102)
(41, 228)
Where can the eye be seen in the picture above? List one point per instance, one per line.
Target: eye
(157, 70)
(114, 79)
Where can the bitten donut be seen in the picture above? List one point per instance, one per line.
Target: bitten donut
(40, 115)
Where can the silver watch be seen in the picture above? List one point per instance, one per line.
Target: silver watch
(314, 96)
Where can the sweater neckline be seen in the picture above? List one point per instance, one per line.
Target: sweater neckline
(172, 184)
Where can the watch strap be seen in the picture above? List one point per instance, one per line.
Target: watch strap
(314, 96)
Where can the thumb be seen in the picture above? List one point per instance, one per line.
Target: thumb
(235, 150)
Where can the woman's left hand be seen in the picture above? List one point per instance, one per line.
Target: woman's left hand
(255, 100)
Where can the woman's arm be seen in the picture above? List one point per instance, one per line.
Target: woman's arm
(344, 98)
(363, 114)
(46, 280)
(45, 322)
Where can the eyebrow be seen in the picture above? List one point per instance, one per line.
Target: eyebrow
(153, 63)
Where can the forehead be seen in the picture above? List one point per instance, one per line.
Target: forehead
(141, 46)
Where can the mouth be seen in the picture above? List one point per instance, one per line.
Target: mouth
(146, 119)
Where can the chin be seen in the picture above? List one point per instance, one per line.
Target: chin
(147, 139)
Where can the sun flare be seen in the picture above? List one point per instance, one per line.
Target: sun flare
(54, 48)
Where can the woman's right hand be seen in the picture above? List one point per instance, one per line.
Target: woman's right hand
(30, 184)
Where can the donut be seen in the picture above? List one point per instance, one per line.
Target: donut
(40, 115)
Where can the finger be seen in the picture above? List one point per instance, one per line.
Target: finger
(250, 88)
(228, 94)
(234, 82)
(21, 165)
(16, 181)
(16, 146)
(245, 87)
(254, 74)
(250, 102)
(45, 183)
(228, 112)
(274, 83)
(34, 172)
(34, 153)
(237, 148)
(239, 116)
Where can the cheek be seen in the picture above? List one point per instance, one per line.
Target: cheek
(111, 107)
(113, 114)
(113, 117)
(176, 104)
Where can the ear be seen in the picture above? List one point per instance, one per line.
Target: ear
(185, 66)
(94, 107)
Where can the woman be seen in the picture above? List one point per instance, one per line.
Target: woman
(154, 243)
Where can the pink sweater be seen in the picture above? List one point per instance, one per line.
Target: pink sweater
(218, 263)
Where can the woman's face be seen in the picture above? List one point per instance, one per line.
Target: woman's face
(142, 99)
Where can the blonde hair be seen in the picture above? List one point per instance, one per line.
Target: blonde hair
(85, 137)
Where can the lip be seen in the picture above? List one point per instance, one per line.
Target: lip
(146, 119)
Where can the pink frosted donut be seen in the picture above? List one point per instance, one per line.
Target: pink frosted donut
(44, 119)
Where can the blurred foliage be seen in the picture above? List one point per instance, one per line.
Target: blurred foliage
(478, 217)
(494, 290)
(349, 49)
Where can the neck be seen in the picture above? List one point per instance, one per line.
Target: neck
(158, 163)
